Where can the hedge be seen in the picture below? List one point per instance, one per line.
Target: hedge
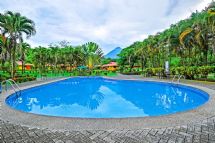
(191, 72)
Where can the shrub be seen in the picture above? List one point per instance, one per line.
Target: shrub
(4, 76)
(24, 79)
(205, 70)
(191, 72)
(181, 71)
(153, 71)
(132, 73)
(173, 71)
(149, 71)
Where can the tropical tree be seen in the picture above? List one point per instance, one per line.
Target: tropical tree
(5, 48)
(186, 40)
(79, 56)
(127, 57)
(55, 55)
(92, 53)
(1, 45)
(189, 42)
(141, 51)
(23, 48)
(40, 58)
(15, 25)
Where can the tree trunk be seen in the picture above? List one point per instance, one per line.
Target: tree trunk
(13, 56)
(131, 66)
(205, 53)
(142, 63)
(55, 63)
(23, 66)
(13, 62)
(129, 62)
(189, 57)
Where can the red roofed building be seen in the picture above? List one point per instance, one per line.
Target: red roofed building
(27, 65)
(112, 66)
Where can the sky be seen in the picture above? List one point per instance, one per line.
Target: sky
(110, 23)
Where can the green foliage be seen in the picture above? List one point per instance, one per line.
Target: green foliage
(4, 76)
(189, 42)
(181, 70)
(153, 71)
(127, 57)
(193, 72)
(24, 79)
(1, 44)
(57, 57)
(14, 25)
(6, 67)
(93, 73)
(175, 61)
(205, 70)
(93, 54)
(107, 61)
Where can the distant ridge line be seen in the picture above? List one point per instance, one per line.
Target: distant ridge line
(113, 54)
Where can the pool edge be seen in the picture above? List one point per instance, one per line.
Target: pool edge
(64, 123)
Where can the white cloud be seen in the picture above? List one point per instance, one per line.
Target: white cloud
(110, 23)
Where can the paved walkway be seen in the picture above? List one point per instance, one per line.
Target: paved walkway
(203, 131)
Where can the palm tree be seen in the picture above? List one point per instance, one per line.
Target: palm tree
(1, 50)
(128, 57)
(54, 56)
(191, 41)
(186, 39)
(40, 58)
(15, 25)
(93, 54)
(4, 48)
(79, 58)
(23, 48)
(1, 45)
(141, 52)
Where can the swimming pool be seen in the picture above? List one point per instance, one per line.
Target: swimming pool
(96, 97)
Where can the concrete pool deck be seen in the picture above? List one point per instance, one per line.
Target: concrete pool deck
(181, 126)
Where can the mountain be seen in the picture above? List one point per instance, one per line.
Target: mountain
(113, 54)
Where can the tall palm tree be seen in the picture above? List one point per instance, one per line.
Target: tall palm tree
(186, 39)
(92, 53)
(15, 25)
(211, 24)
(190, 41)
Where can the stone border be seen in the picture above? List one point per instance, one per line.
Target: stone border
(63, 123)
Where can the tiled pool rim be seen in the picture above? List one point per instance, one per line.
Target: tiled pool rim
(60, 123)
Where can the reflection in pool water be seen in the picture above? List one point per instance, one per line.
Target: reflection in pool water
(105, 98)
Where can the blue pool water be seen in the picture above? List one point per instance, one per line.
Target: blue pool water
(95, 97)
